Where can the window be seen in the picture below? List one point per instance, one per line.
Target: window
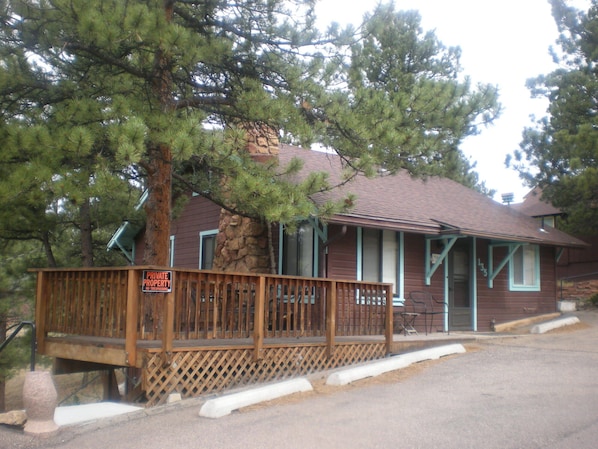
(525, 268)
(207, 246)
(548, 222)
(298, 252)
(380, 258)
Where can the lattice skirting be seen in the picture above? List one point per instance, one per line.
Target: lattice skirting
(193, 373)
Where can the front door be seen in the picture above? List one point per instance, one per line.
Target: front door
(459, 287)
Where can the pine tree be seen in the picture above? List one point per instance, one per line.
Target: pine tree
(559, 153)
(149, 86)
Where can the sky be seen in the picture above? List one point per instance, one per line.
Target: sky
(503, 43)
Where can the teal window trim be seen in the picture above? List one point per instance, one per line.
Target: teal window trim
(359, 274)
(474, 288)
(171, 252)
(535, 287)
(202, 235)
(399, 295)
(280, 248)
(400, 300)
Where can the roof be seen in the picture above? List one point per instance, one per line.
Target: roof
(434, 206)
(534, 206)
(124, 237)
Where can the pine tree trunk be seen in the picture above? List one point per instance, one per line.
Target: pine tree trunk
(85, 229)
(157, 208)
(159, 167)
(48, 250)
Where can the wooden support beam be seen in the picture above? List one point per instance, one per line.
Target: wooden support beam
(168, 330)
(87, 353)
(388, 318)
(40, 312)
(133, 292)
(330, 318)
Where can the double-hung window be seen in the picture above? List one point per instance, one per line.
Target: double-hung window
(380, 258)
(207, 246)
(524, 272)
(298, 252)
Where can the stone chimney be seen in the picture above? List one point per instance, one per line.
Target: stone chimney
(242, 243)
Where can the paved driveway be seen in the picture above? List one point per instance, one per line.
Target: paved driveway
(535, 391)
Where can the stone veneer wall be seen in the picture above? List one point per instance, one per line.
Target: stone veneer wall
(242, 242)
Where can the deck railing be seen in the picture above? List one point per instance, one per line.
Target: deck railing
(205, 305)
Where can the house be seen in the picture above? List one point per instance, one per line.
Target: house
(488, 262)
(574, 264)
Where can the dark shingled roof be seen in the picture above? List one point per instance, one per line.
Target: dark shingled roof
(534, 206)
(432, 206)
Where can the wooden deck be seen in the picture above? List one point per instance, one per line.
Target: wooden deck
(209, 331)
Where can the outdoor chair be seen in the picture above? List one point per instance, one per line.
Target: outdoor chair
(427, 305)
(407, 317)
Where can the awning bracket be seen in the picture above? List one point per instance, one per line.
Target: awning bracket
(492, 273)
(432, 266)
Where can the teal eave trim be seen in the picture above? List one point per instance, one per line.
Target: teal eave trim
(492, 273)
(559, 253)
(124, 237)
(124, 240)
(430, 268)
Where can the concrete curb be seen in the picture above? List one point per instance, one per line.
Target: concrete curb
(224, 405)
(506, 327)
(554, 324)
(349, 375)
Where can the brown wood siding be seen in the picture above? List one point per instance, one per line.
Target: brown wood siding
(580, 264)
(415, 271)
(501, 305)
(341, 260)
(138, 256)
(199, 215)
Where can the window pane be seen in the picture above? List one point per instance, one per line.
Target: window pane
(208, 244)
(518, 267)
(379, 254)
(389, 258)
(371, 255)
(529, 265)
(524, 265)
(291, 251)
(298, 257)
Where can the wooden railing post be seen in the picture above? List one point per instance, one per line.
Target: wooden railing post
(389, 319)
(330, 318)
(40, 311)
(131, 323)
(258, 319)
(168, 329)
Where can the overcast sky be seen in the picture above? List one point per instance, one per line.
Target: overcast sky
(503, 43)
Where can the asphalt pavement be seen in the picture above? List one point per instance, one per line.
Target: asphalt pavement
(528, 391)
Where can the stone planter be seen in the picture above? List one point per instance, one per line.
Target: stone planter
(39, 399)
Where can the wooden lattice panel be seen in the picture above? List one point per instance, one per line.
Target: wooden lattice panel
(193, 373)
